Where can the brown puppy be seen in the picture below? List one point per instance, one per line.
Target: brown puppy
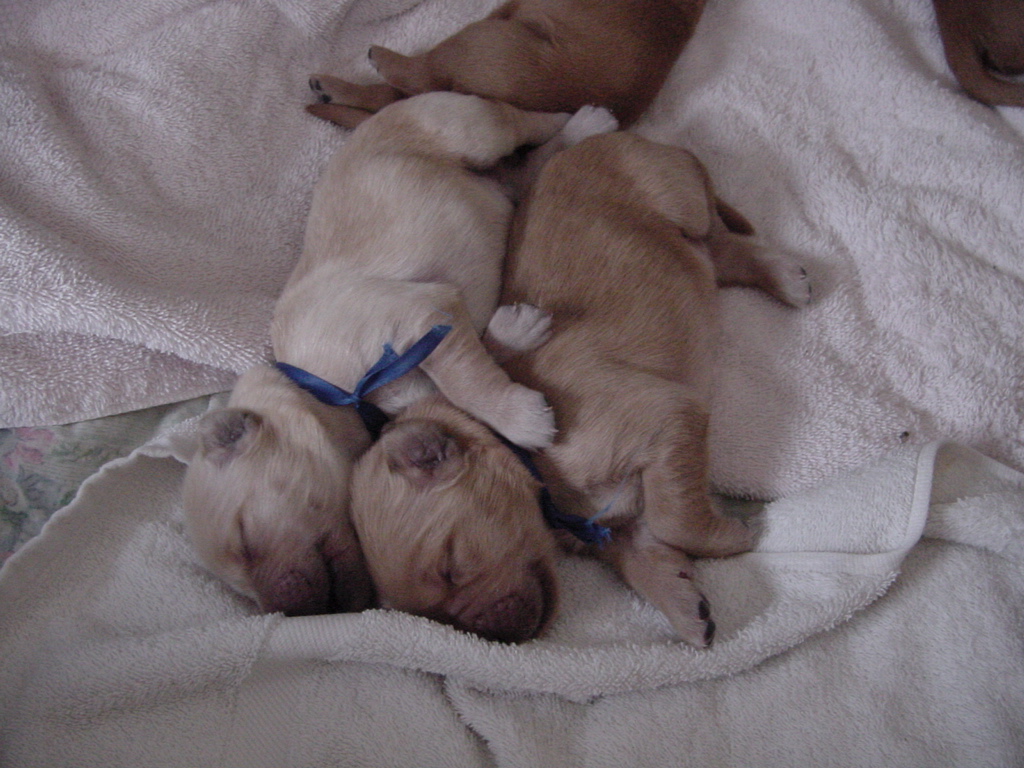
(622, 241)
(546, 55)
(980, 36)
(403, 235)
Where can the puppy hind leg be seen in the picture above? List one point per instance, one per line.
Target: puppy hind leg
(678, 507)
(480, 132)
(586, 122)
(741, 259)
(664, 576)
(410, 75)
(496, 58)
(334, 90)
(339, 114)
(964, 57)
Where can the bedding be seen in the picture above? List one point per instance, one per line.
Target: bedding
(41, 468)
(155, 169)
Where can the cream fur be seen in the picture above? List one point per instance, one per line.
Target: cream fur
(402, 234)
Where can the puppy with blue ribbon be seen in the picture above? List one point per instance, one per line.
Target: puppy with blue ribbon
(402, 252)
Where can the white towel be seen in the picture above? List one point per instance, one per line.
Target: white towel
(119, 649)
(156, 165)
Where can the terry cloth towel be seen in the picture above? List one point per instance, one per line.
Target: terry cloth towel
(156, 166)
(119, 649)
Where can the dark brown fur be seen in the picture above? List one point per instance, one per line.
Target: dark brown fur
(545, 55)
(982, 38)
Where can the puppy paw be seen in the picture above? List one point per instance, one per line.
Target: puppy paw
(519, 328)
(692, 620)
(588, 121)
(790, 281)
(526, 418)
(320, 86)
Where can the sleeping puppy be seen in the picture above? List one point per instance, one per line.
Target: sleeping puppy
(982, 36)
(548, 55)
(622, 241)
(403, 239)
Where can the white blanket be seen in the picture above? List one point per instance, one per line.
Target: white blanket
(119, 650)
(156, 165)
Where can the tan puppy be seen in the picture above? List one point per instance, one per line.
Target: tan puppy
(980, 36)
(449, 522)
(616, 242)
(549, 55)
(402, 236)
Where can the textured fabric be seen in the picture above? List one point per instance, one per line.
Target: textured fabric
(119, 649)
(156, 167)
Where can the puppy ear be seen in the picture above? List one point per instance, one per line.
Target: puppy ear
(424, 453)
(227, 433)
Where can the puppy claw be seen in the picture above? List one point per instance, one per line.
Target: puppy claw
(319, 89)
(693, 622)
(703, 610)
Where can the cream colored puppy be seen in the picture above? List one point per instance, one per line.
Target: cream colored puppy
(403, 237)
(622, 241)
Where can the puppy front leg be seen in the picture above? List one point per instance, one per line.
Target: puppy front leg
(466, 374)
(664, 576)
(515, 329)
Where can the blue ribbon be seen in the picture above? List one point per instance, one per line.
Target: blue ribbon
(390, 367)
(583, 529)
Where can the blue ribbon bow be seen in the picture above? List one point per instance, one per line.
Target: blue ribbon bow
(390, 367)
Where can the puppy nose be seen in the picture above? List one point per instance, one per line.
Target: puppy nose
(292, 593)
(514, 618)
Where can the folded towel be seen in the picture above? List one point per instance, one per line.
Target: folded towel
(118, 645)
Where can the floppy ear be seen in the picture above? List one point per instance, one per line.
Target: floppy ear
(424, 453)
(227, 433)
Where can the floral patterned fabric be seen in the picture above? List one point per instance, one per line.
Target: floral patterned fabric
(41, 468)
